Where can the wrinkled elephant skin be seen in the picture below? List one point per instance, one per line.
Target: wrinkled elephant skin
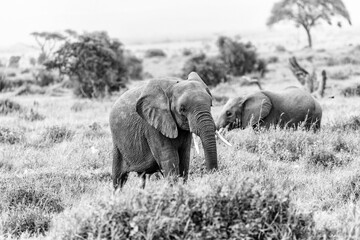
(151, 128)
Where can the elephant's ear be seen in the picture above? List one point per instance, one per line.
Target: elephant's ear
(154, 107)
(255, 107)
(193, 76)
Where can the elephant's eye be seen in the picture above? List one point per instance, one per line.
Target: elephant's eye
(182, 108)
(228, 113)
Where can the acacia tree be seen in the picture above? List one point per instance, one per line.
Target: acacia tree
(308, 13)
(47, 42)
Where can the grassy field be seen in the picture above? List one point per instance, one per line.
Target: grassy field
(55, 168)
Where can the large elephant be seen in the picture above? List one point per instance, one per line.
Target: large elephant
(287, 108)
(151, 128)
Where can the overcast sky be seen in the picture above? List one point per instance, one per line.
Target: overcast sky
(136, 20)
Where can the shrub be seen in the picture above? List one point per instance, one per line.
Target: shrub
(350, 191)
(45, 78)
(26, 70)
(30, 196)
(186, 52)
(41, 58)
(339, 145)
(94, 131)
(212, 70)
(30, 220)
(240, 58)
(9, 136)
(340, 75)
(94, 61)
(8, 106)
(29, 209)
(226, 212)
(29, 89)
(273, 59)
(280, 48)
(57, 134)
(155, 52)
(33, 115)
(351, 91)
(323, 158)
(134, 66)
(349, 60)
(78, 106)
(6, 165)
(11, 74)
(32, 61)
(14, 61)
(351, 124)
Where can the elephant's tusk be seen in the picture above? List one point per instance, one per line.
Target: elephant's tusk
(196, 144)
(223, 139)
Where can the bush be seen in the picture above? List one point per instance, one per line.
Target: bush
(351, 124)
(226, 212)
(78, 106)
(9, 136)
(280, 48)
(6, 165)
(94, 131)
(30, 196)
(323, 158)
(45, 78)
(29, 89)
(57, 134)
(350, 191)
(240, 58)
(154, 53)
(340, 75)
(134, 67)
(94, 61)
(41, 58)
(14, 61)
(30, 220)
(212, 70)
(32, 61)
(186, 52)
(273, 59)
(8, 106)
(33, 115)
(29, 210)
(351, 91)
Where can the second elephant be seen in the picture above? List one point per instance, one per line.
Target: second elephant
(287, 108)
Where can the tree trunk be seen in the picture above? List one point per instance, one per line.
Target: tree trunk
(307, 29)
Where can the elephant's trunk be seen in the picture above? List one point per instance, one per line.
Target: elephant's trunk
(205, 129)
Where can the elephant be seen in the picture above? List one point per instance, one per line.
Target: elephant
(152, 126)
(287, 108)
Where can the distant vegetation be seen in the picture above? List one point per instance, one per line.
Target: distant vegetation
(211, 69)
(235, 58)
(154, 52)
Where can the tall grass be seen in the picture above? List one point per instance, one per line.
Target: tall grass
(55, 181)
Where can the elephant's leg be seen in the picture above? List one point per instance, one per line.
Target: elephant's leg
(165, 154)
(184, 158)
(119, 174)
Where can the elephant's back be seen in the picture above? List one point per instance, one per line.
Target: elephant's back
(293, 104)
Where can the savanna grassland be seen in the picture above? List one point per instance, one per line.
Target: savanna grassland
(55, 167)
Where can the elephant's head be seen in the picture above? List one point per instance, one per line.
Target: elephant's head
(174, 106)
(243, 111)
